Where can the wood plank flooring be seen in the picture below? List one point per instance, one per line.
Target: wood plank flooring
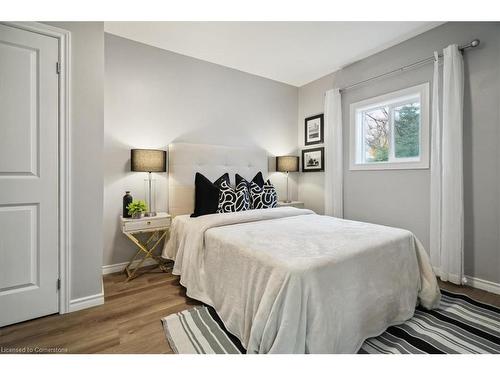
(129, 320)
(477, 294)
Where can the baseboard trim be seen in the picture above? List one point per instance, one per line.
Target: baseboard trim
(119, 267)
(86, 302)
(476, 282)
(486, 285)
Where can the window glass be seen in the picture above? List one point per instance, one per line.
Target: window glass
(391, 131)
(407, 130)
(376, 135)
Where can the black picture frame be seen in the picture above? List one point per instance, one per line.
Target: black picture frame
(321, 161)
(312, 120)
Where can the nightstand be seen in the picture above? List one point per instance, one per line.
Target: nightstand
(296, 204)
(157, 227)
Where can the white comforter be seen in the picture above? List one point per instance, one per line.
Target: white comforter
(286, 280)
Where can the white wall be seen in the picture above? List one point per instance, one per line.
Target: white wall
(155, 97)
(311, 102)
(401, 197)
(87, 124)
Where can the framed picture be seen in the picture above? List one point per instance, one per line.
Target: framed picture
(313, 159)
(313, 131)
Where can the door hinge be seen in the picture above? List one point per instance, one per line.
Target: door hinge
(58, 284)
(58, 67)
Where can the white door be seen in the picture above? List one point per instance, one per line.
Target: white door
(28, 175)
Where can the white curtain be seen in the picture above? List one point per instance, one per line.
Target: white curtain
(333, 154)
(435, 215)
(447, 205)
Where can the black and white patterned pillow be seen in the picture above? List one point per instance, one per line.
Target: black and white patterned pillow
(233, 200)
(263, 197)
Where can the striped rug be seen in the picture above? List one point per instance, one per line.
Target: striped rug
(460, 325)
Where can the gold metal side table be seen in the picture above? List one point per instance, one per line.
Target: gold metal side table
(157, 227)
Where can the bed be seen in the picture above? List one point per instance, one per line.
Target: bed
(286, 280)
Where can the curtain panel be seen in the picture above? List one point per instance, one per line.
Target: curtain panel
(447, 203)
(333, 154)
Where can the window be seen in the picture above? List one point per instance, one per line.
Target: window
(391, 131)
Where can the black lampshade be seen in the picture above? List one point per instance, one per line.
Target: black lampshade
(148, 160)
(287, 163)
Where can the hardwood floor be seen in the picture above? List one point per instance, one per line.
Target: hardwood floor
(477, 294)
(129, 320)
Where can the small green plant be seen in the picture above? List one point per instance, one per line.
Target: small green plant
(137, 207)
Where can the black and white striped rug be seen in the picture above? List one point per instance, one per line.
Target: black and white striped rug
(460, 325)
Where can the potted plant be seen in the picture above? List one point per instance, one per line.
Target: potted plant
(137, 208)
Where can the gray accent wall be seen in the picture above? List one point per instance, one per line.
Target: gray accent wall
(87, 128)
(401, 197)
(154, 97)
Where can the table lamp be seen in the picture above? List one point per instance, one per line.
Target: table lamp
(142, 160)
(287, 164)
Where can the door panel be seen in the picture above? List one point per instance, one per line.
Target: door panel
(28, 175)
(19, 106)
(19, 233)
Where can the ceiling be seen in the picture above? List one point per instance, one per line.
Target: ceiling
(291, 52)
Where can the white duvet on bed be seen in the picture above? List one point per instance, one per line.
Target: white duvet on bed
(286, 280)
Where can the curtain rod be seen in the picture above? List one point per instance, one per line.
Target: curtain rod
(472, 44)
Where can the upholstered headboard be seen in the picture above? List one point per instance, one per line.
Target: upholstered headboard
(185, 159)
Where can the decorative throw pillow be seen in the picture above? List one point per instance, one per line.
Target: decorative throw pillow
(263, 197)
(233, 200)
(258, 179)
(207, 194)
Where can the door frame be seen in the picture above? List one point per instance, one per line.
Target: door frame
(64, 130)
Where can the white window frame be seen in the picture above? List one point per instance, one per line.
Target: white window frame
(392, 99)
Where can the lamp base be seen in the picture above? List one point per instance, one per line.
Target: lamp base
(150, 214)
